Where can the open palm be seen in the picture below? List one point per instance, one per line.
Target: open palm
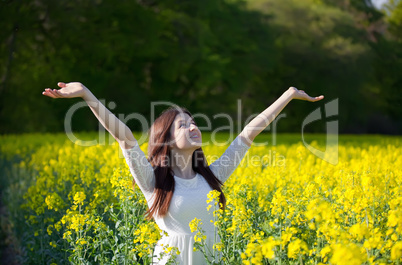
(69, 90)
(300, 94)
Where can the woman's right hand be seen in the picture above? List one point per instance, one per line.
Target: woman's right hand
(69, 90)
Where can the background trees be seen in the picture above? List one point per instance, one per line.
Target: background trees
(203, 55)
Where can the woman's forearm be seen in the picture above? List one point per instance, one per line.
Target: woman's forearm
(259, 123)
(112, 124)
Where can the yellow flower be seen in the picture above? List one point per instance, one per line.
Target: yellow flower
(53, 244)
(77, 222)
(359, 231)
(348, 255)
(79, 197)
(81, 241)
(396, 251)
(325, 251)
(168, 249)
(199, 237)
(268, 248)
(194, 224)
(49, 229)
(297, 247)
(213, 195)
(218, 246)
(67, 234)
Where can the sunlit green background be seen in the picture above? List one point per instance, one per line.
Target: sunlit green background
(204, 55)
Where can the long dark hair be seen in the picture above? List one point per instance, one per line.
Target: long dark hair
(159, 157)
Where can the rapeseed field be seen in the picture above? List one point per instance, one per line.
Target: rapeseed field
(74, 204)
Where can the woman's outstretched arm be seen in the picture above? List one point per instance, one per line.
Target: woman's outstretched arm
(224, 166)
(112, 124)
(140, 168)
(259, 123)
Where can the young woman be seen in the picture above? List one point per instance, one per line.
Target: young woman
(176, 178)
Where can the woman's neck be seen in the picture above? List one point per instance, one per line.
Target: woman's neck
(182, 164)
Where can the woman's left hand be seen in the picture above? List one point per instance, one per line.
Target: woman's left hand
(300, 94)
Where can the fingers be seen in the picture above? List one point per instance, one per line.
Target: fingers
(51, 93)
(301, 94)
(309, 98)
(54, 93)
(48, 93)
(317, 98)
(58, 93)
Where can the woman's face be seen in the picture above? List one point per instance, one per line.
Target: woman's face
(185, 134)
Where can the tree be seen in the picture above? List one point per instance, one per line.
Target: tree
(322, 51)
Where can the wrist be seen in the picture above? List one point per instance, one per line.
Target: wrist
(291, 92)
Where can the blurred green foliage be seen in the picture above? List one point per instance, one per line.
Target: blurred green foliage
(203, 55)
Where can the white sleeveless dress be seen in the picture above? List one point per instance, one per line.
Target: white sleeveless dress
(188, 202)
